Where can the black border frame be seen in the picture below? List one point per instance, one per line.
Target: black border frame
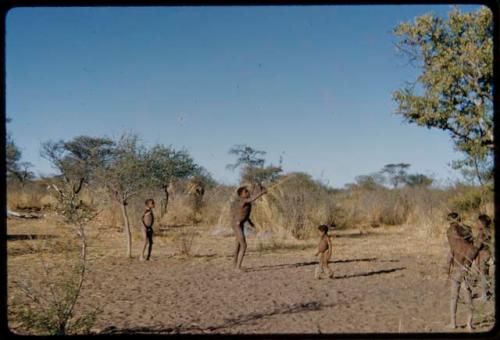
(6, 5)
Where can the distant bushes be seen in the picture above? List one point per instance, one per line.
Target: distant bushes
(32, 195)
(295, 206)
(471, 199)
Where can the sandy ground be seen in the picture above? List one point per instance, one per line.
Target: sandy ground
(387, 281)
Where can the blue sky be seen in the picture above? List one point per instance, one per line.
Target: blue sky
(310, 83)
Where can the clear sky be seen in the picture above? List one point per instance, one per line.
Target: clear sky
(312, 84)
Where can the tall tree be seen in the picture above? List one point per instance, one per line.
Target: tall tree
(166, 165)
(454, 92)
(251, 164)
(77, 159)
(395, 173)
(16, 168)
(125, 176)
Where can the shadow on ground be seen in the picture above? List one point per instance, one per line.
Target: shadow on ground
(312, 263)
(22, 237)
(287, 309)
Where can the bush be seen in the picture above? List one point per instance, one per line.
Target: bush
(471, 199)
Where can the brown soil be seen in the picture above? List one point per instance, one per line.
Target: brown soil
(388, 280)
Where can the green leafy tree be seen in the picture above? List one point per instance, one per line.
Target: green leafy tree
(395, 173)
(16, 168)
(418, 180)
(370, 182)
(251, 164)
(78, 160)
(246, 156)
(125, 175)
(167, 165)
(454, 92)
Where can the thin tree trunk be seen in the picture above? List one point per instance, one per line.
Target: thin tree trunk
(127, 229)
(165, 202)
(476, 167)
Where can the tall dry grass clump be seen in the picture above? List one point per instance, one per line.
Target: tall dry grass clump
(373, 207)
(297, 205)
(31, 195)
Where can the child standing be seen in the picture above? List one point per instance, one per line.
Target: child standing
(148, 220)
(324, 253)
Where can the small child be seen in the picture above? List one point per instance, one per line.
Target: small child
(147, 231)
(324, 252)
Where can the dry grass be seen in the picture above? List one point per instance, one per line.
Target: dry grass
(294, 207)
(184, 240)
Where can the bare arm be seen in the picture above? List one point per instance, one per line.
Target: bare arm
(255, 197)
(251, 222)
(450, 262)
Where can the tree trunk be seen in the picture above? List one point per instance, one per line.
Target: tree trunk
(164, 203)
(127, 229)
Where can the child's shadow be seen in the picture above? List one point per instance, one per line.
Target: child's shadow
(312, 263)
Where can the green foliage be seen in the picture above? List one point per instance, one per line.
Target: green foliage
(261, 175)
(77, 160)
(127, 172)
(414, 180)
(56, 316)
(396, 173)
(246, 157)
(166, 164)
(454, 92)
(252, 166)
(15, 168)
(368, 182)
(470, 199)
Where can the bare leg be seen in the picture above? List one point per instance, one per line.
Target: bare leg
(468, 301)
(242, 245)
(236, 251)
(241, 254)
(145, 238)
(326, 258)
(150, 243)
(455, 290)
(483, 273)
(319, 268)
(329, 270)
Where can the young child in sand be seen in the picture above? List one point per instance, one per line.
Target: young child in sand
(147, 231)
(324, 252)
(241, 209)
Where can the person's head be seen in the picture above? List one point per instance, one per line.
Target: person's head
(150, 203)
(484, 221)
(323, 229)
(453, 217)
(243, 192)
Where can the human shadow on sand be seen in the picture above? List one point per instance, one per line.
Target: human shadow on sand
(230, 322)
(375, 272)
(312, 263)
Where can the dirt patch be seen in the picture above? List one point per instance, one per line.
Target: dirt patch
(387, 281)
